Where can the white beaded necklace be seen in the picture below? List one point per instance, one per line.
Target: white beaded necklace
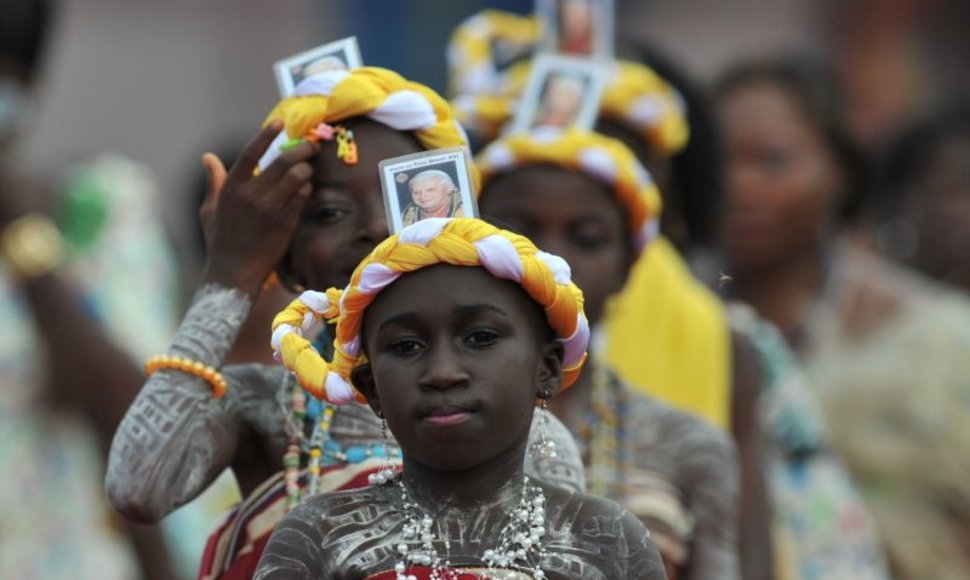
(519, 544)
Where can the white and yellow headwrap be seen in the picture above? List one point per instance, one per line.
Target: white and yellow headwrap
(376, 93)
(472, 60)
(455, 241)
(604, 159)
(485, 98)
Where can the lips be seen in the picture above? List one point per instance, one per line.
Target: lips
(447, 415)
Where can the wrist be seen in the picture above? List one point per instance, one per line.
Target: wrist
(248, 283)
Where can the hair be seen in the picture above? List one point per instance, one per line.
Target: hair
(812, 86)
(696, 172)
(24, 28)
(442, 177)
(906, 159)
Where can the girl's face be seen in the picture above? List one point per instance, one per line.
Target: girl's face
(344, 218)
(457, 358)
(570, 215)
(782, 182)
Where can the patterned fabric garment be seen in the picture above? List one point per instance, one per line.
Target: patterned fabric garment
(887, 352)
(822, 528)
(54, 522)
(676, 472)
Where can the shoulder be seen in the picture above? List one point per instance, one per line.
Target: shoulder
(331, 534)
(684, 434)
(598, 532)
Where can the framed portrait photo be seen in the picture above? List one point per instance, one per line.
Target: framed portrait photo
(562, 92)
(426, 185)
(581, 28)
(341, 54)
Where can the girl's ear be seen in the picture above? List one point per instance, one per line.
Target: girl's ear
(363, 380)
(549, 372)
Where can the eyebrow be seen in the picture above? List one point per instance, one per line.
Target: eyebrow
(462, 310)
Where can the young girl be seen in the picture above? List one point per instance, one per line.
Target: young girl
(452, 331)
(311, 214)
(584, 196)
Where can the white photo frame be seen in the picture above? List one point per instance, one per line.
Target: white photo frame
(444, 185)
(591, 23)
(562, 92)
(343, 54)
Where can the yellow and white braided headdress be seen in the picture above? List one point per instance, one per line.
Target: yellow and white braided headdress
(455, 241)
(604, 159)
(485, 98)
(373, 92)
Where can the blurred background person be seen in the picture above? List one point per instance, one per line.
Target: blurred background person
(84, 269)
(884, 348)
(921, 197)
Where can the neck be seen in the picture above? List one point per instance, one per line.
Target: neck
(782, 291)
(497, 481)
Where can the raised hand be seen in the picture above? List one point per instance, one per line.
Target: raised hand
(250, 219)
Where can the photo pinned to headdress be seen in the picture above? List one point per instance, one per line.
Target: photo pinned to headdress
(582, 28)
(562, 92)
(429, 184)
(343, 54)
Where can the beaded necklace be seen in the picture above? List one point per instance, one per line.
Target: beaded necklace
(319, 447)
(519, 543)
(605, 433)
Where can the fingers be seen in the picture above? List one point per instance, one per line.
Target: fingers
(285, 162)
(249, 158)
(294, 183)
(217, 173)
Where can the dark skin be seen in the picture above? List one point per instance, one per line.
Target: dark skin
(456, 376)
(783, 188)
(99, 381)
(938, 203)
(309, 217)
(578, 218)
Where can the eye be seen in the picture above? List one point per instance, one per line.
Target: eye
(774, 160)
(589, 236)
(482, 337)
(405, 346)
(328, 214)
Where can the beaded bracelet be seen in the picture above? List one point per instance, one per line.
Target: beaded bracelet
(191, 367)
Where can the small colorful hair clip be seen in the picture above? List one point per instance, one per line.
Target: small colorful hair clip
(322, 132)
(346, 146)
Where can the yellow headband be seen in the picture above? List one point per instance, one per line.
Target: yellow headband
(377, 93)
(604, 159)
(455, 241)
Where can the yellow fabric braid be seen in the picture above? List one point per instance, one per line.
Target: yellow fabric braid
(572, 149)
(454, 244)
(362, 91)
(636, 96)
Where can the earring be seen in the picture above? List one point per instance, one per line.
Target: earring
(386, 472)
(543, 447)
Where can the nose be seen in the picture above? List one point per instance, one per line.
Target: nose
(443, 370)
(372, 227)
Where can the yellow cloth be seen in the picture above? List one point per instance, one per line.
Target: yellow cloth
(668, 334)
